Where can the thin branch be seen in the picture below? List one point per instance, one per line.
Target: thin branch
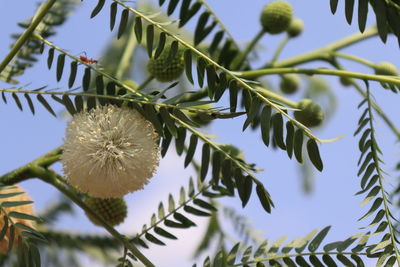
(323, 52)
(42, 11)
(354, 58)
(237, 63)
(278, 51)
(342, 73)
(22, 173)
(174, 105)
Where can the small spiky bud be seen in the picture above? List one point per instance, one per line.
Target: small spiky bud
(110, 151)
(166, 68)
(310, 113)
(289, 83)
(386, 68)
(25, 209)
(112, 210)
(276, 17)
(296, 27)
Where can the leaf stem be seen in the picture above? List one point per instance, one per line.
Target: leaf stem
(342, 73)
(375, 151)
(323, 52)
(201, 190)
(42, 11)
(299, 255)
(275, 96)
(97, 70)
(237, 63)
(278, 51)
(145, 83)
(22, 173)
(354, 58)
(127, 55)
(134, 100)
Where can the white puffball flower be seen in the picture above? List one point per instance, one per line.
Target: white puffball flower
(110, 151)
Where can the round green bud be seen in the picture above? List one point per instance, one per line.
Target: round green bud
(289, 83)
(386, 68)
(112, 210)
(166, 68)
(276, 17)
(296, 27)
(346, 81)
(310, 113)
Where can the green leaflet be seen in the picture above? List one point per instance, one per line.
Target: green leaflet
(123, 22)
(60, 66)
(86, 79)
(313, 153)
(138, 29)
(187, 55)
(205, 160)
(113, 14)
(161, 45)
(97, 8)
(264, 197)
(43, 101)
(314, 244)
(72, 75)
(191, 150)
(164, 233)
(149, 39)
(30, 104)
(349, 8)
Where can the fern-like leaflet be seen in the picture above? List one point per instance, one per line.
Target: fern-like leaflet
(372, 182)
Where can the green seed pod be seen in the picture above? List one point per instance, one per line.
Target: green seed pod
(276, 17)
(310, 113)
(346, 81)
(289, 83)
(166, 69)
(112, 210)
(296, 27)
(386, 68)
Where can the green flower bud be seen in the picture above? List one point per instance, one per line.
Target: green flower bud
(386, 68)
(296, 27)
(112, 210)
(346, 81)
(166, 69)
(276, 17)
(310, 113)
(289, 83)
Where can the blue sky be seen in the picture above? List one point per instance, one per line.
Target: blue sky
(24, 137)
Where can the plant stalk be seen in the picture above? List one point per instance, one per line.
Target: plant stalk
(42, 11)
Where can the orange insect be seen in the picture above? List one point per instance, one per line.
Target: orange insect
(88, 60)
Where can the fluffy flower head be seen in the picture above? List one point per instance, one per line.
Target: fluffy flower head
(110, 151)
